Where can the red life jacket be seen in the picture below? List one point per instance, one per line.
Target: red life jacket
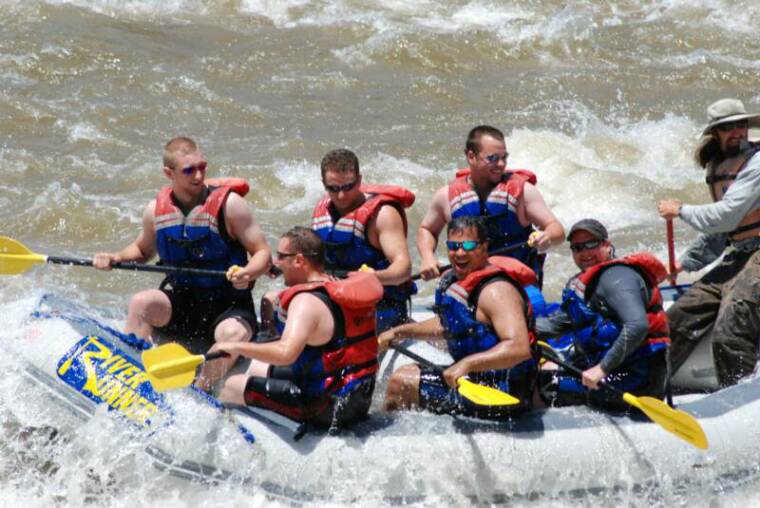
(499, 210)
(529, 175)
(456, 302)
(350, 356)
(194, 240)
(346, 244)
(356, 220)
(653, 272)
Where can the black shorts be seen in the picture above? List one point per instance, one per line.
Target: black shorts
(196, 313)
(279, 390)
(437, 397)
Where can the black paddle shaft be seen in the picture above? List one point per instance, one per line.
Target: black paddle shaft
(137, 267)
(417, 358)
(215, 355)
(417, 276)
(575, 370)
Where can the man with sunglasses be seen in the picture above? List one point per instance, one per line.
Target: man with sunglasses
(321, 367)
(508, 199)
(614, 325)
(484, 315)
(724, 305)
(196, 223)
(364, 224)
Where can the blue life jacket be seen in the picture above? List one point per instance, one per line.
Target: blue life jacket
(500, 212)
(456, 306)
(346, 243)
(198, 239)
(594, 333)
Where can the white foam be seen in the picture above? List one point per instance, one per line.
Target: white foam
(119, 8)
(624, 165)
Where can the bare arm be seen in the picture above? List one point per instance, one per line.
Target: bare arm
(309, 322)
(428, 329)
(141, 250)
(436, 218)
(538, 213)
(502, 306)
(388, 229)
(242, 227)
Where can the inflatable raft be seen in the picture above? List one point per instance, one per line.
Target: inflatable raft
(90, 368)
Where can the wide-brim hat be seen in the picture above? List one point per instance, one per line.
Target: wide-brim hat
(728, 110)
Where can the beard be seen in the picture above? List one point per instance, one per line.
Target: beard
(732, 151)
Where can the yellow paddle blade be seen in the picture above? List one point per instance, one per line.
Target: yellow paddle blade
(675, 421)
(484, 395)
(15, 258)
(170, 366)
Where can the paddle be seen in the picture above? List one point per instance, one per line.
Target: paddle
(171, 366)
(475, 393)
(675, 421)
(16, 258)
(671, 253)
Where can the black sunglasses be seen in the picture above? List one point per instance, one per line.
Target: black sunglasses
(283, 255)
(729, 126)
(189, 170)
(338, 188)
(591, 244)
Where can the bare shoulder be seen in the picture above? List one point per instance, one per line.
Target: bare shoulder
(237, 205)
(149, 213)
(388, 217)
(442, 194)
(439, 204)
(307, 303)
(499, 293)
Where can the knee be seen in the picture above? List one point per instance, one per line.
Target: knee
(232, 330)
(402, 381)
(140, 301)
(148, 302)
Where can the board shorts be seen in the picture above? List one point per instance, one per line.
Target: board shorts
(279, 392)
(437, 397)
(196, 314)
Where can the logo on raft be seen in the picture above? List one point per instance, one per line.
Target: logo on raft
(105, 374)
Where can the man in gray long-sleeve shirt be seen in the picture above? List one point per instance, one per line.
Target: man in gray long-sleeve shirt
(613, 324)
(724, 305)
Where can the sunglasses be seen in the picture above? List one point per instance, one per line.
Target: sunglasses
(494, 158)
(467, 245)
(283, 255)
(729, 126)
(591, 244)
(340, 188)
(189, 170)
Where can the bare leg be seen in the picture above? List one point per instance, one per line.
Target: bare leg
(403, 388)
(234, 386)
(147, 310)
(229, 330)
